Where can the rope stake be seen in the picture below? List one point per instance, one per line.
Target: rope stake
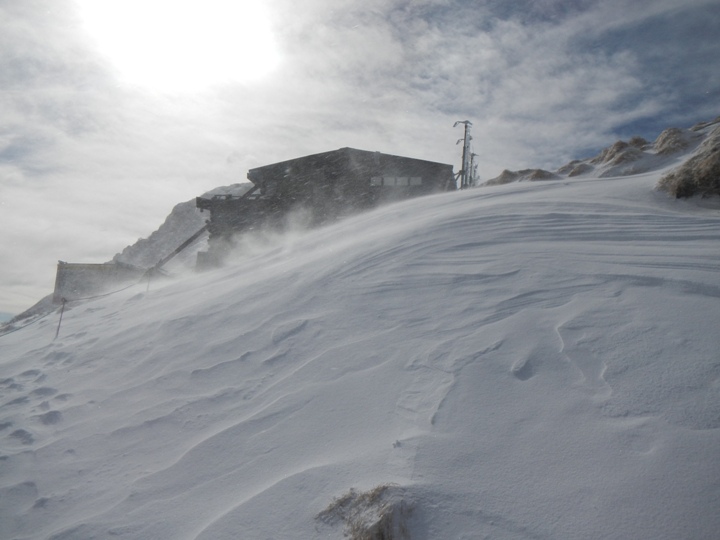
(62, 310)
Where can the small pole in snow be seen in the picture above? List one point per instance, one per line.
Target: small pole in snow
(62, 310)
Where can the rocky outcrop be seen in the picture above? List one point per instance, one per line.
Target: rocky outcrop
(702, 125)
(518, 176)
(671, 140)
(699, 175)
(581, 168)
(505, 178)
(620, 152)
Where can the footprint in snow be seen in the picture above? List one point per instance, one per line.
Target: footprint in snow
(17, 401)
(43, 391)
(50, 417)
(524, 369)
(23, 436)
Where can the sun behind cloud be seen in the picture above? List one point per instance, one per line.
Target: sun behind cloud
(183, 45)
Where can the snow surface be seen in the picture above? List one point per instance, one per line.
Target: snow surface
(527, 361)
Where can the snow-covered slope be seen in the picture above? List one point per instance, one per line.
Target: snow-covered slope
(699, 175)
(624, 158)
(533, 360)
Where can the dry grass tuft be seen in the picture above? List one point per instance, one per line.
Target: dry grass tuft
(378, 514)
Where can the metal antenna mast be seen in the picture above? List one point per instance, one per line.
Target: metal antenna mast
(466, 169)
(473, 170)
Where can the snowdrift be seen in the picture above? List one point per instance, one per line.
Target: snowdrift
(532, 360)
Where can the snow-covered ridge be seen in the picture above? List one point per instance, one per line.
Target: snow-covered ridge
(533, 360)
(623, 158)
(699, 175)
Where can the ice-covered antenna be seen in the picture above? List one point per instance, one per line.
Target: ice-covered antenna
(473, 170)
(466, 169)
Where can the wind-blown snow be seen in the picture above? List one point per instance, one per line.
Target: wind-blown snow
(533, 360)
(184, 220)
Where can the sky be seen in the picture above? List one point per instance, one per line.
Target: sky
(111, 111)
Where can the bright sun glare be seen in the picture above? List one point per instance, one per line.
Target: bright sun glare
(183, 45)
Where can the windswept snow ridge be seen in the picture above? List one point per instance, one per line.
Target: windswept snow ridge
(533, 360)
(635, 156)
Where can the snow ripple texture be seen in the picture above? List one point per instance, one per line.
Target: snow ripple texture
(526, 361)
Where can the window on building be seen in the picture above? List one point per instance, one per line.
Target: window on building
(396, 181)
